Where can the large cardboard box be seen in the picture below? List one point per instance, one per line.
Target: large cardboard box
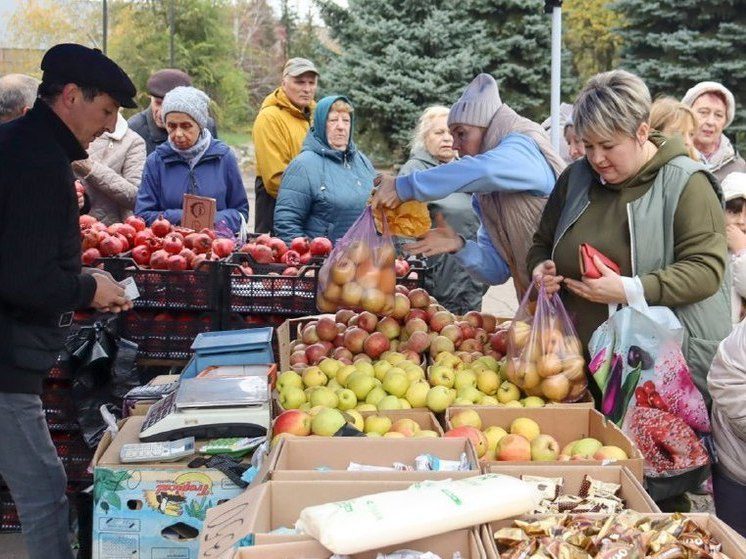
(465, 542)
(632, 492)
(734, 546)
(287, 332)
(320, 458)
(565, 424)
(150, 510)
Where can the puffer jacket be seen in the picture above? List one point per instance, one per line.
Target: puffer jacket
(117, 164)
(448, 281)
(167, 178)
(323, 190)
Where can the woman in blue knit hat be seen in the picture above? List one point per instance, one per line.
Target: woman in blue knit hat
(191, 162)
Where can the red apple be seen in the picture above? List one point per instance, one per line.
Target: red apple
(294, 422)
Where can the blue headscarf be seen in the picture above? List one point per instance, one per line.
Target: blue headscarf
(322, 113)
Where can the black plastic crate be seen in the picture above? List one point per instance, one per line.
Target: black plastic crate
(75, 455)
(166, 289)
(269, 294)
(9, 521)
(166, 335)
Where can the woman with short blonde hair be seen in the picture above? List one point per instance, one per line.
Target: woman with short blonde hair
(670, 116)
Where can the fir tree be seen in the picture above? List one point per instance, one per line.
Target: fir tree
(399, 56)
(673, 44)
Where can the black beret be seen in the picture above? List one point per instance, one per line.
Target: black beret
(71, 63)
(164, 81)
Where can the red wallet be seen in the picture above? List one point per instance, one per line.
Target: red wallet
(588, 267)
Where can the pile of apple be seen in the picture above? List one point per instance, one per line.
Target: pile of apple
(544, 362)
(266, 249)
(161, 246)
(326, 422)
(523, 441)
(416, 326)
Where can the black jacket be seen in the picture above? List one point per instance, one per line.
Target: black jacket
(40, 275)
(143, 124)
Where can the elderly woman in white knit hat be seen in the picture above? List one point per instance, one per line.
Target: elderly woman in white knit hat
(509, 166)
(715, 107)
(734, 193)
(191, 162)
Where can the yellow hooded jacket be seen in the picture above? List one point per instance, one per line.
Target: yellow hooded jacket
(279, 131)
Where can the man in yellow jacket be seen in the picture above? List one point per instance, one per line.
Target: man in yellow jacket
(279, 131)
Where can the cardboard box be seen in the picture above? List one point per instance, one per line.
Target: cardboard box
(307, 458)
(289, 331)
(734, 546)
(466, 542)
(150, 510)
(565, 424)
(634, 494)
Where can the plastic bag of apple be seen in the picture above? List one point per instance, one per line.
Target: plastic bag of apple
(523, 441)
(162, 246)
(544, 355)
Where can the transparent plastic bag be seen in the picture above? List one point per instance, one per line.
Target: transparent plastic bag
(359, 273)
(544, 356)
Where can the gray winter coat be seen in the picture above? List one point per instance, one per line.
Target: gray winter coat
(448, 282)
(117, 164)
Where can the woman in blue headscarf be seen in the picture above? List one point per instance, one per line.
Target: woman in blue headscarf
(326, 187)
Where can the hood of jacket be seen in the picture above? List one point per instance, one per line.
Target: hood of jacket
(421, 154)
(278, 98)
(316, 139)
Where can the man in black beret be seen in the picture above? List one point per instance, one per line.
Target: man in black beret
(41, 281)
(149, 123)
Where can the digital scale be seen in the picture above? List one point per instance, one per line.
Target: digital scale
(210, 408)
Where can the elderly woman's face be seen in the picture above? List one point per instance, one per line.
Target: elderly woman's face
(338, 126)
(467, 139)
(711, 114)
(438, 140)
(574, 144)
(182, 129)
(617, 158)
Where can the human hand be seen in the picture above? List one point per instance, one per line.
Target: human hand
(439, 240)
(109, 295)
(606, 289)
(735, 237)
(546, 274)
(82, 167)
(80, 193)
(385, 195)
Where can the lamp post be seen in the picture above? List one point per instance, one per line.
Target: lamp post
(105, 24)
(554, 7)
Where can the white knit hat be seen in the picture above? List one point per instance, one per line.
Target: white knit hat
(188, 100)
(478, 103)
(734, 186)
(712, 87)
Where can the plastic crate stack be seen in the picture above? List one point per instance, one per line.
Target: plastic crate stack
(74, 453)
(173, 307)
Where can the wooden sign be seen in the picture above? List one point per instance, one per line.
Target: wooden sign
(198, 212)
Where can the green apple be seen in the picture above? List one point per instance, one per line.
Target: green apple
(347, 399)
(313, 376)
(365, 367)
(610, 453)
(488, 401)
(513, 404)
(360, 383)
(544, 448)
(389, 402)
(405, 405)
(344, 373)
(490, 362)
(324, 396)
(334, 385)
(469, 393)
(378, 424)
(395, 357)
(426, 433)
(494, 434)
(466, 417)
(414, 372)
(508, 392)
(289, 378)
(525, 427)
(442, 375)
(532, 402)
(488, 381)
(438, 398)
(330, 367)
(354, 417)
(327, 422)
(462, 402)
(395, 382)
(366, 407)
(292, 397)
(586, 447)
(380, 368)
(416, 394)
(305, 406)
(465, 378)
(375, 395)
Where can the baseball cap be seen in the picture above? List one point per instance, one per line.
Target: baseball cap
(297, 66)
